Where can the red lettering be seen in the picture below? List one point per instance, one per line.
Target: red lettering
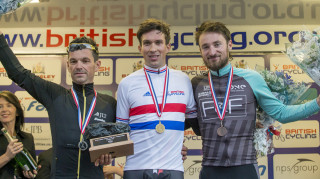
(131, 35)
(49, 36)
(104, 37)
(73, 36)
(92, 34)
(114, 39)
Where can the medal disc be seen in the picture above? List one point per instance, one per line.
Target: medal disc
(83, 145)
(222, 131)
(160, 128)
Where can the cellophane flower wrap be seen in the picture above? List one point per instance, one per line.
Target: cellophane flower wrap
(305, 53)
(8, 6)
(288, 92)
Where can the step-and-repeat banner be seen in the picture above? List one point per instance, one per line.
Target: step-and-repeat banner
(296, 149)
(39, 34)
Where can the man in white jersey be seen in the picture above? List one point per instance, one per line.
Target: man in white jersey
(154, 101)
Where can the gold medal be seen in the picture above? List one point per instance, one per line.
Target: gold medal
(160, 128)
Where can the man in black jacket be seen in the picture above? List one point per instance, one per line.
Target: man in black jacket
(44, 159)
(68, 109)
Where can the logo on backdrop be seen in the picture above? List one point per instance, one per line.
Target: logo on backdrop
(38, 68)
(3, 72)
(194, 70)
(302, 165)
(194, 168)
(297, 134)
(103, 71)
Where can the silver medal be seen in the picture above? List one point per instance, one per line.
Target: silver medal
(83, 145)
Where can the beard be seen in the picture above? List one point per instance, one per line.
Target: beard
(216, 65)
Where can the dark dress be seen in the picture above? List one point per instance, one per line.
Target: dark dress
(7, 171)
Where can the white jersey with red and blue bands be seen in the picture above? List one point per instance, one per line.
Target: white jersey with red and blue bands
(135, 107)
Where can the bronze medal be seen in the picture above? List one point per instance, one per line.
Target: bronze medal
(222, 131)
(160, 128)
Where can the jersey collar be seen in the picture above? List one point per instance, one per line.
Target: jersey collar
(223, 71)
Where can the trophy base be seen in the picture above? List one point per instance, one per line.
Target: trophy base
(117, 145)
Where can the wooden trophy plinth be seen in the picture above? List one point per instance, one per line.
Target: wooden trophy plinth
(117, 145)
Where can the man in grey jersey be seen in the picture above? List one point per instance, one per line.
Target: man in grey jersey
(227, 116)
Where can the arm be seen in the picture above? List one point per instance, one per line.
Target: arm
(193, 123)
(13, 148)
(40, 89)
(123, 106)
(276, 109)
(44, 160)
(191, 111)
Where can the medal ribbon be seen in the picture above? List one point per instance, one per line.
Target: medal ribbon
(83, 124)
(153, 94)
(221, 112)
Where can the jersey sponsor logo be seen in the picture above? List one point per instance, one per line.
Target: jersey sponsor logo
(236, 107)
(204, 94)
(147, 94)
(99, 116)
(238, 87)
(175, 93)
(206, 88)
(98, 119)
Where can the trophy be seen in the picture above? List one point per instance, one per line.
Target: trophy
(109, 138)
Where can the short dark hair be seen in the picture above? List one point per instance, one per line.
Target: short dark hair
(210, 26)
(154, 24)
(84, 39)
(11, 98)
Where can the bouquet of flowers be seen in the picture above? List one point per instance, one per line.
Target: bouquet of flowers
(8, 6)
(305, 53)
(288, 92)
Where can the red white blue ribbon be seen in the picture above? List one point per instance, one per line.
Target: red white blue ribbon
(153, 93)
(83, 124)
(221, 112)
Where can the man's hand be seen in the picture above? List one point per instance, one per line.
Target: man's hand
(29, 174)
(259, 125)
(104, 160)
(184, 152)
(0, 32)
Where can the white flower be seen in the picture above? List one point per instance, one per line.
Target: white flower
(306, 53)
(7, 6)
(285, 90)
